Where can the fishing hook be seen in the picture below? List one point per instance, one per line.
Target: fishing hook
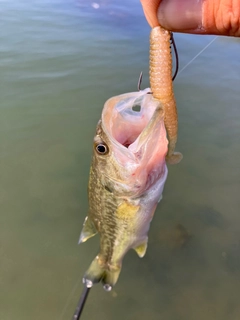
(176, 56)
(173, 43)
(140, 81)
(81, 303)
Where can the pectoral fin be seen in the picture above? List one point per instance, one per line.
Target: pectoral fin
(142, 248)
(88, 230)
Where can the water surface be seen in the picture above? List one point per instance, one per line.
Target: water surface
(59, 63)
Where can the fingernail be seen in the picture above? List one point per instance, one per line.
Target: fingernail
(180, 15)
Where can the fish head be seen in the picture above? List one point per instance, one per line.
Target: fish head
(130, 144)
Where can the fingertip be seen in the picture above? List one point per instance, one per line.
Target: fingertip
(150, 8)
(219, 17)
(181, 15)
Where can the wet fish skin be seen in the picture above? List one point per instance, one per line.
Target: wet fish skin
(125, 184)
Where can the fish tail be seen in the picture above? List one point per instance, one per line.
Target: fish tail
(101, 271)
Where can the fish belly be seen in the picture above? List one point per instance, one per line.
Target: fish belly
(123, 227)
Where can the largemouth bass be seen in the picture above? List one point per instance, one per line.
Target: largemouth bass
(126, 182)
(162, 86)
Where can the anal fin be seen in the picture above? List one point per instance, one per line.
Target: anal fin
(142, 248)
(88, 230)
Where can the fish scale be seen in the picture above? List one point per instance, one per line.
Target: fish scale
(128, 169)
(126, 182)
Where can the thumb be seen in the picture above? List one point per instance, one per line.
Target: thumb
(220, 17)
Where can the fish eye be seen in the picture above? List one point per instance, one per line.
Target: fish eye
(102, 148)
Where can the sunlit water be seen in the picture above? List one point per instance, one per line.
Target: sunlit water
(59, 61)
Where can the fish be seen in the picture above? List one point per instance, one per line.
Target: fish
(136, 135)
(160, 74)
(126, 182)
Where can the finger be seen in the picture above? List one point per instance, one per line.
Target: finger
(220, 17)
(150, 8)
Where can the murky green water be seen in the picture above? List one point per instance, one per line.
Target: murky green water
(60, 60)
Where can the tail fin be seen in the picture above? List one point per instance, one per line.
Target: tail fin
(101, 271)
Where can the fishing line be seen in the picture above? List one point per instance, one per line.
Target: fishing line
(198, 54)
(69, 299)
(86, 290)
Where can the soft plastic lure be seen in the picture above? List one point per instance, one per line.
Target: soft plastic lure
(162, 86)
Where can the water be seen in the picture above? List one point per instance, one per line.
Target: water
(59, 62)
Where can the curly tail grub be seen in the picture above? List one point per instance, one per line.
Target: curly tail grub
(162, 86)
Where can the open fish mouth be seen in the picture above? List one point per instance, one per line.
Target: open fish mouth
(134, 124)
(126, 182)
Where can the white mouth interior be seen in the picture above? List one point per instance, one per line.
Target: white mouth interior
(134, 126)
(130, 117)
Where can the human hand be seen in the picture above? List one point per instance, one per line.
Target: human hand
(219, 17)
